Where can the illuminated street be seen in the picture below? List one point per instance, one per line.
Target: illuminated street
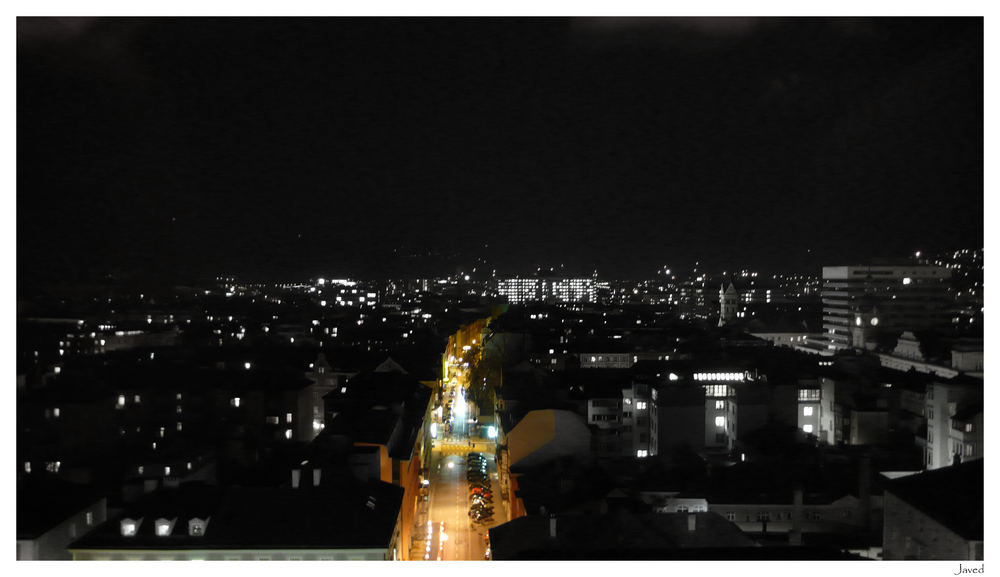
(463, 539)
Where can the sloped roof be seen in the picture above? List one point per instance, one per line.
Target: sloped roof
(41, 505)
(359, 517)
(952, 496)
(594, 536)
(547, 434)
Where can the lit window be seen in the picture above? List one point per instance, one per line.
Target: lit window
(129, 527)
(163, 527)
(121, 401)
(720, 421)
(288, 433)
(807, 411)
(641, 453)
(857, 321)
(179, 409)
(27, 466)
(137, 399)
(807, 428)
(196, 527)
(235, 401)
(166, 470)
(179, 396)
(720, 404)
(55, 412)
(640, 404)
(180, 425)
(273, 420)
(288, 417)
(90, 518)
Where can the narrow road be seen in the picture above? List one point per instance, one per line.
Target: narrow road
(459, 538)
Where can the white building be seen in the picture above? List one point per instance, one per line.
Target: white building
(906, 297)
(954, 412)
(815, 409)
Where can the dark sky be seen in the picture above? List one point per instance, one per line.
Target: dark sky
(288, 147)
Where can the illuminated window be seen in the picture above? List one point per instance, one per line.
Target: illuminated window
(180, 425)
(807, 411)
(27, 466)
(137, 399)
(121, 402)
(640, 404)
(90, 518)
(642, 453)
(163, 527)
(720, 421)
(288, 417)
(288, 433)
(720, 404)
(235, 401)
(807, 428)
(196, 527)
(129, 527)
(166, 470)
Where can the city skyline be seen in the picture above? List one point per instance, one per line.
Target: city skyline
(662, 288)
(182, 148)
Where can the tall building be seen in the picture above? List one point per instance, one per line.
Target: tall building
(861, 301)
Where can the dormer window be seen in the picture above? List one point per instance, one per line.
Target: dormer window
(196, 527)
(164, 527)
(130, 527)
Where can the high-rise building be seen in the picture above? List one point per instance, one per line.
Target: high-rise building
(556, 290)
(861, 301)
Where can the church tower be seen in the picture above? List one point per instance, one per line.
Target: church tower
(728, 301)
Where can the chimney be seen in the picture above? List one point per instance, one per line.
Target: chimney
(317, 473)
(296, 475)
(795, 535)
(552, 526)
(865, 491)
(692, 522)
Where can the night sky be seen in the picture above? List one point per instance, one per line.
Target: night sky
(282, 148)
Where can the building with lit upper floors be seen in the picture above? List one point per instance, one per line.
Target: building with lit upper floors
(626, 424)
